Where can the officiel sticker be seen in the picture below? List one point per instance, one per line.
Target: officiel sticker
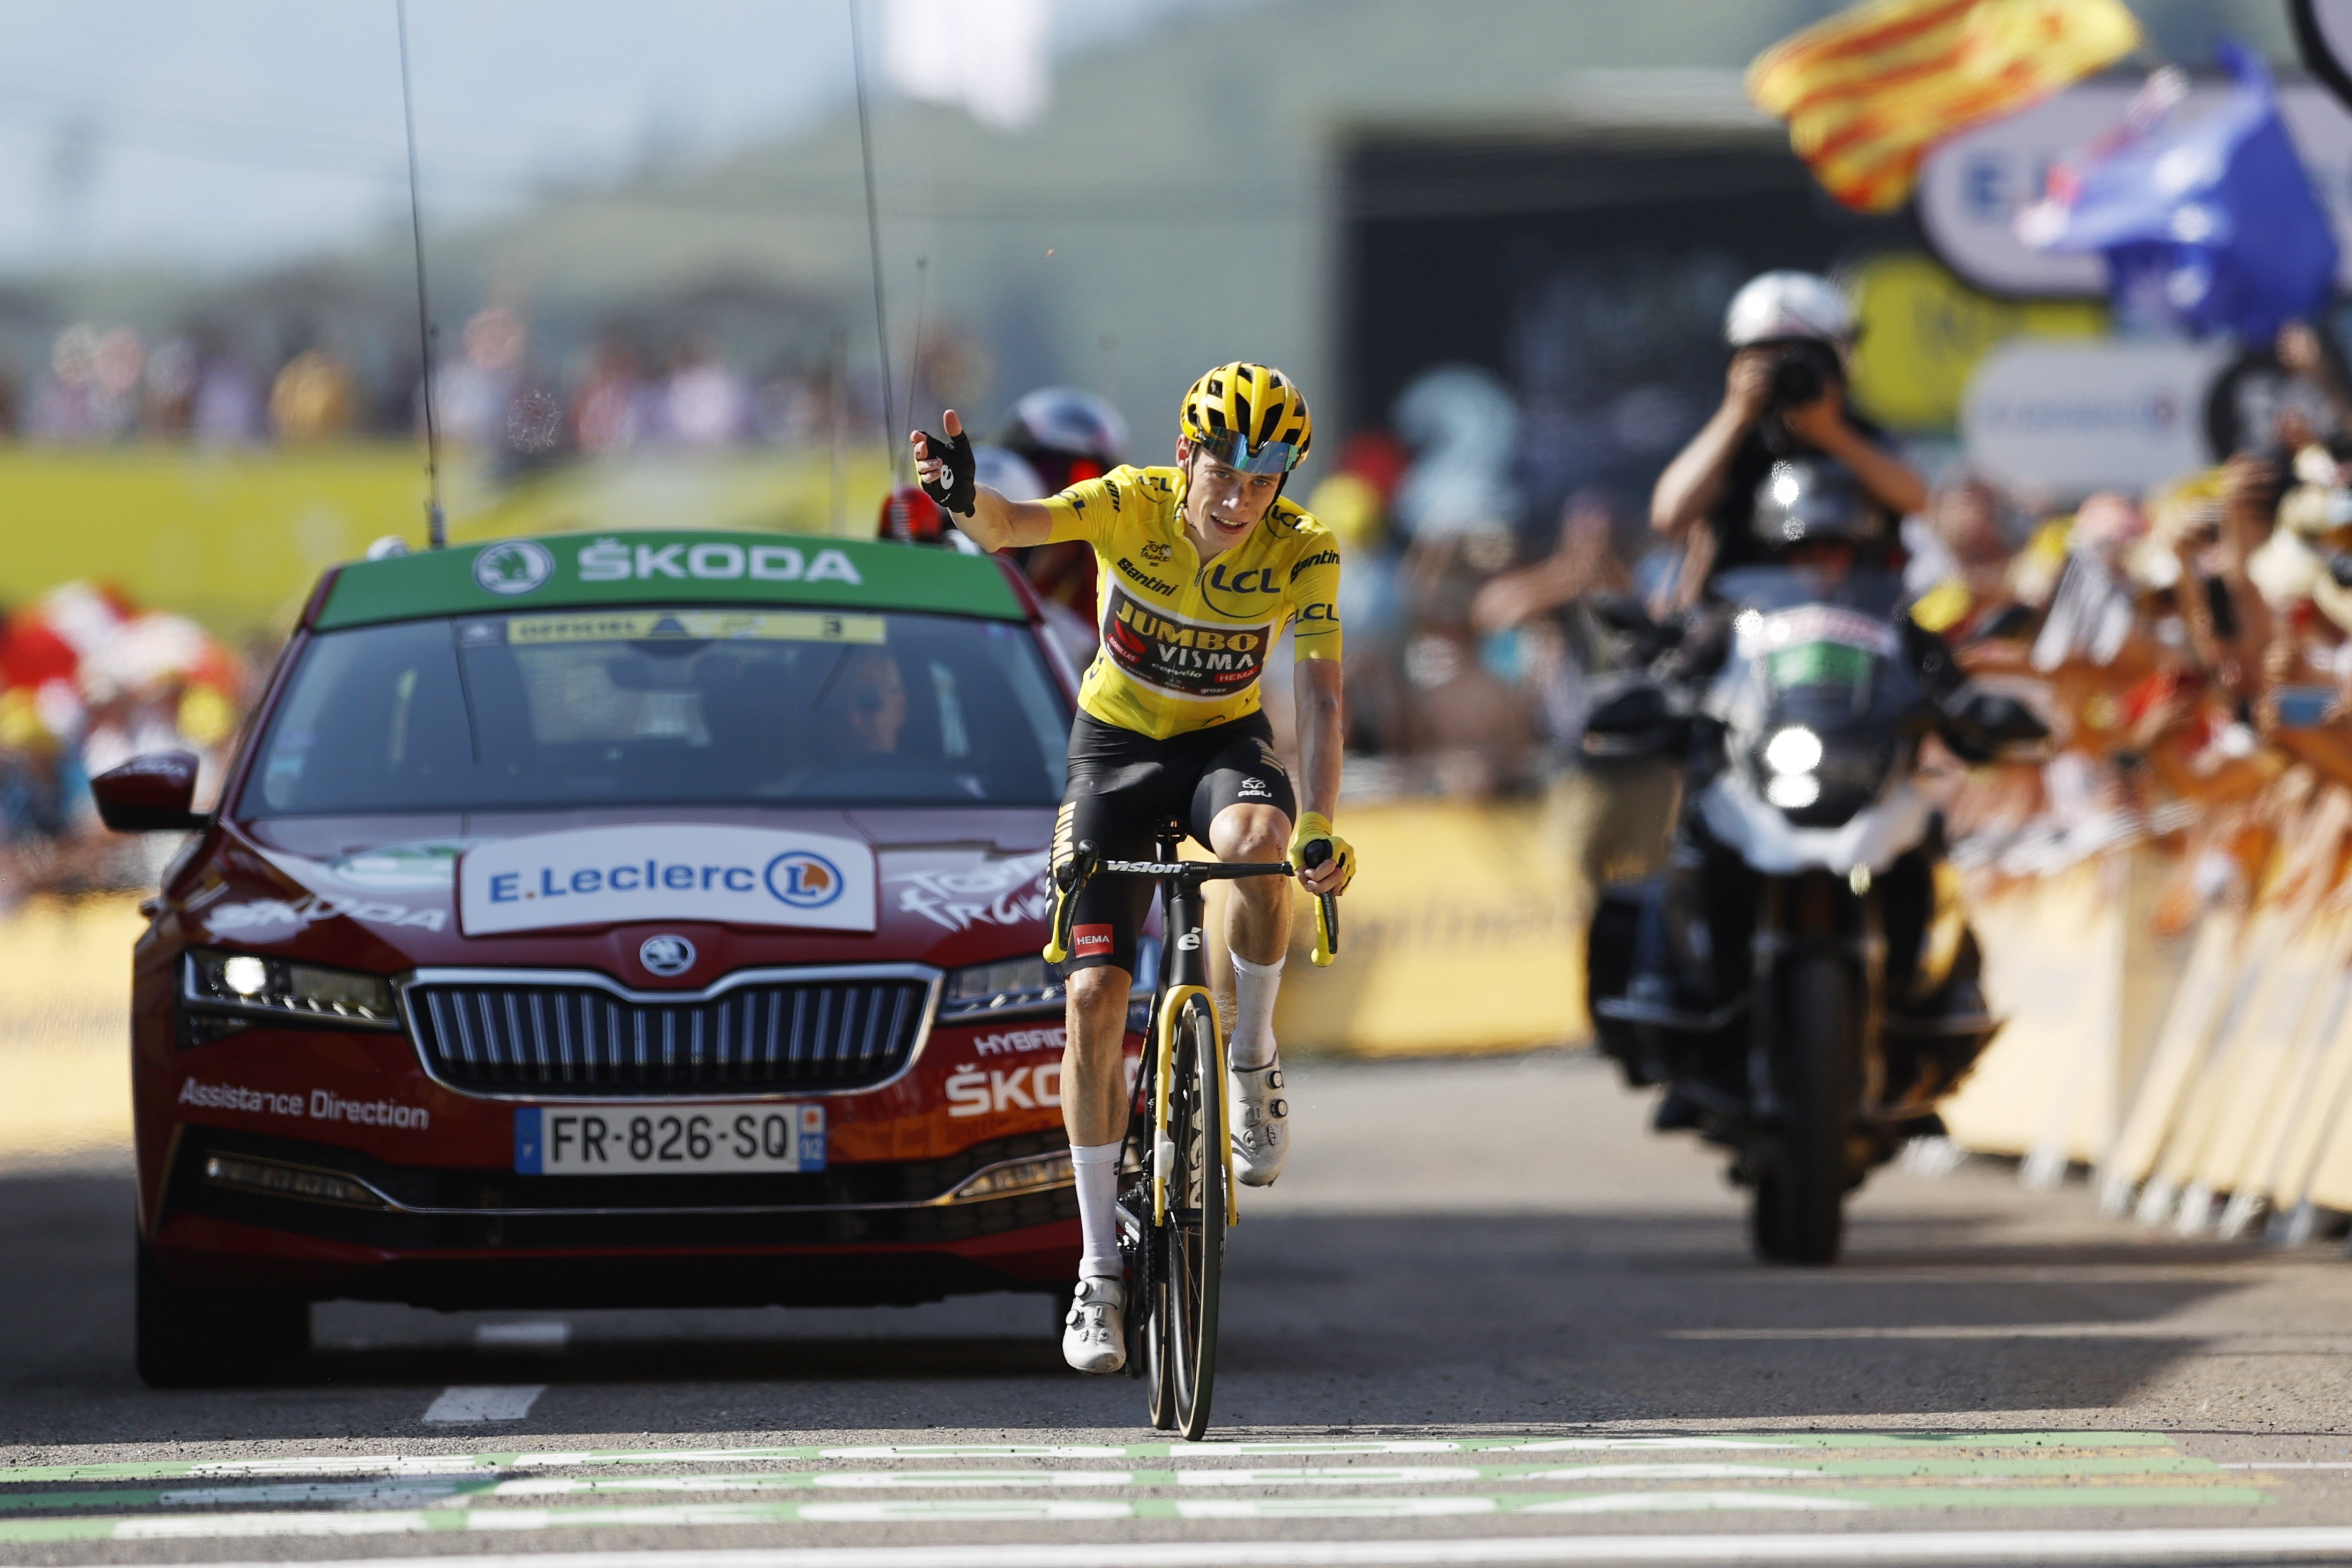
(673, 872)
(1183, 658)
(1090, 941)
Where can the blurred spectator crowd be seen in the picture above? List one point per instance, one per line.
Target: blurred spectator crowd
(89, 681)
(496, 392)
(2191, 646)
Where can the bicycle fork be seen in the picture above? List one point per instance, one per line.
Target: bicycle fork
(1188, 974)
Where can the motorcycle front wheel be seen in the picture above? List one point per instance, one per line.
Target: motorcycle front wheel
(1798, 1212)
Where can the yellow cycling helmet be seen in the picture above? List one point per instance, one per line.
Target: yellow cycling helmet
(1249, 417)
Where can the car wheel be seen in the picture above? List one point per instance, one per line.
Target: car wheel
(201, 1339)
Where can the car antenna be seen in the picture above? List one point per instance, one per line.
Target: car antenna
(922, 296)
(873, 234)
(436, 526)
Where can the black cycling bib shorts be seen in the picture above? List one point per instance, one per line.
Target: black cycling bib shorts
(1122, 785)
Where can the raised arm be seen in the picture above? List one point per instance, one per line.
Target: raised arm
(1691, 485)
(992, 520)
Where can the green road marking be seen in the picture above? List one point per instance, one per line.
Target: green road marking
(451, 1464)
(397, 1521)
(465, 1491)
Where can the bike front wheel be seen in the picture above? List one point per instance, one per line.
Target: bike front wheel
(1190, 1246)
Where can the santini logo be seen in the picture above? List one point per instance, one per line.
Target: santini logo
(609, 561)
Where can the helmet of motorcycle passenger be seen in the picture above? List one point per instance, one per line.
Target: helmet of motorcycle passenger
(1248, 417)
(910, 516)
(1812, 500)
(1781, 306)
(1066, 436)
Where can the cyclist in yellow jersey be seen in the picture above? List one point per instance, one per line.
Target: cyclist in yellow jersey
(1202, 566)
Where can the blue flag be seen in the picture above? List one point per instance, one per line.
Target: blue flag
(2210, 225)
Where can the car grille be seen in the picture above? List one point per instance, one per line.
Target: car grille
(562, 1037)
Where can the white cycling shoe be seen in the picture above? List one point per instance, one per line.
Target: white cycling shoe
(1094, 1335)
(1261, 1122)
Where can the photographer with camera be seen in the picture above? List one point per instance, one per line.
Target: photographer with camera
(1784, 400)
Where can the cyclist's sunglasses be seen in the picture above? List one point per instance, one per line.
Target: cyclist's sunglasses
(1233, 449)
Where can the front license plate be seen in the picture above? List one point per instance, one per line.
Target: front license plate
(667, 1139)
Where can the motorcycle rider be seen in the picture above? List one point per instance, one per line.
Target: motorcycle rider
(1784, 400)
(1785, 475)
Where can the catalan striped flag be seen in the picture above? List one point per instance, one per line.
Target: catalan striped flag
(1866, 91)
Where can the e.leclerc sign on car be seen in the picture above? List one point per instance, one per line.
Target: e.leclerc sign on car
(667, 871)
(671, 566)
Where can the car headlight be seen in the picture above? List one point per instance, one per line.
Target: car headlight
(1013, 985)
(253, 985)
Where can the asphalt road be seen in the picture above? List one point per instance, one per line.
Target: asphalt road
(1484, 1317)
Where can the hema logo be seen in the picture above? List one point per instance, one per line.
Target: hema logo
(713, 560)
(598, 876)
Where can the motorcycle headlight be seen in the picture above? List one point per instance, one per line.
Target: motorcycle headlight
(1822, 780)
(251, 985)
(1014, 985)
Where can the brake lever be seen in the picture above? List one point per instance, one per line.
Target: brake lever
(1069, 877)
(1327, 907)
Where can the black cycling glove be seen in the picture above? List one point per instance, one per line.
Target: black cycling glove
(956, 452)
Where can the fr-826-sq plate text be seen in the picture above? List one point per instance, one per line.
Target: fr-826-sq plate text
(667, 1139)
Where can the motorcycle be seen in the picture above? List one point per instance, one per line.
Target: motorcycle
(1800, 975)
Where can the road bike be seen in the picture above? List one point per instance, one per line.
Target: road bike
(1176, 1176)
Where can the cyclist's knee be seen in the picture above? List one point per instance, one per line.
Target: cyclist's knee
(1101, 990)
(1250, 833)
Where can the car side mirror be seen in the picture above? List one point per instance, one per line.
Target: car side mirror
(153, 794)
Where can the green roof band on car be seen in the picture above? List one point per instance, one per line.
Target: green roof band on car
(668, 566)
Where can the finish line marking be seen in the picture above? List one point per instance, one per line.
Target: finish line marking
(465, 1490)
(453, 1464)
(1033, 1510)
(1922, 1546)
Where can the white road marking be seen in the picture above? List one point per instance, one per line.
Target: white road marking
(1331, 1475)
(468, 1404)
(549, 1334)
(1919, 1546)
(1698, 1502)
(871, 1479)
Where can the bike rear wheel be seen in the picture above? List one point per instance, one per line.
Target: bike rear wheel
(1190, 1244)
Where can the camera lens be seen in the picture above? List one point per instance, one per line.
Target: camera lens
(1796, 380)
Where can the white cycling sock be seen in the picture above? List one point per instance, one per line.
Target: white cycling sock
(1254, 985)
(1097, 1168)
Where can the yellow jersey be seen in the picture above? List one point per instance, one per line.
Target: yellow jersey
(1183, 640)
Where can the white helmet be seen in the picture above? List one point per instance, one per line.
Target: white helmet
(1788, 305)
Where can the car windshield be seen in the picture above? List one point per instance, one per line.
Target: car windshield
(664, 707)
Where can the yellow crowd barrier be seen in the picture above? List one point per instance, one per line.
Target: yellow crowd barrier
(65, 1030)
(2205, 1079)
